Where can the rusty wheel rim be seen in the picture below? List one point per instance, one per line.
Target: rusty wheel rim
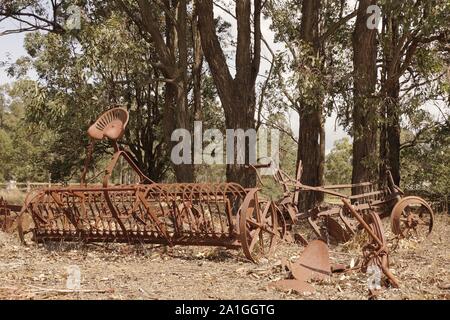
(258, 227)
(275, 222)
(282, 224)
(412, 217)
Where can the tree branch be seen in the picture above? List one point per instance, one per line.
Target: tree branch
(335, 26)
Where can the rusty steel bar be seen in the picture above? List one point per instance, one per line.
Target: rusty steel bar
(379, 254)
(362, 222)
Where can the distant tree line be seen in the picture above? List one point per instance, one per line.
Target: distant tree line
(173, 62)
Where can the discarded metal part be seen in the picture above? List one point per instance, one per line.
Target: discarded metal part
(335, 230)
(339, 267)
(314, 263)
(259, 226)
(314, 226)
(111, 124)
(376, 251)
(297, 286)
(351, 227)
(286, 206)
(338, 224)
(222, 214)
(290, 208)
(8, 215)
(298, 238)
(412, 214)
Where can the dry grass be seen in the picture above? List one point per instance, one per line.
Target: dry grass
(120, 271)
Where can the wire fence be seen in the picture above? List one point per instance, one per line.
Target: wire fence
(30, 186)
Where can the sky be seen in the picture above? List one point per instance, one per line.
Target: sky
(11, 48)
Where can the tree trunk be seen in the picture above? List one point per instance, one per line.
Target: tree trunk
(240, 119)
(365, 117)
(197, 67)
(390, 140)
(172, 53)
(393, 132)
(180, 117)
(236, 94)
(311, 134)
(174, 117)
(383, 147)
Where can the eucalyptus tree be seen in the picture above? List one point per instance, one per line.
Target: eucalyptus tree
(365, 106)
(413, 67)
(311, 74)
(83, 71)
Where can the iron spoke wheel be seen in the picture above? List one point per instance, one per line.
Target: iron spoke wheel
(259, 227)
(412, 216)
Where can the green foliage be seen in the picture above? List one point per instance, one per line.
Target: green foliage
(110, 61)
(299, 75)
(338, 163)
(5, 155)
(426, 156)
(80, 76)
(23, 146)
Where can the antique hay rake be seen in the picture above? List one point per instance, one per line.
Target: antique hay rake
(222, 214)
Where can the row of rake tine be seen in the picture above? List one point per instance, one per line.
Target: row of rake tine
(202, 210)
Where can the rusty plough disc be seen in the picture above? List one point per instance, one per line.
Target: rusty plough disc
(412, 214)
(313, 264)
(223, 214)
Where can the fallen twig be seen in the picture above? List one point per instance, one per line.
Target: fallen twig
(40, 289)
(35, 289)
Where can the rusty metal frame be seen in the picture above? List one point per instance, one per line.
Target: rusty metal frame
(206, 214)
(386, 202)
(8, 215)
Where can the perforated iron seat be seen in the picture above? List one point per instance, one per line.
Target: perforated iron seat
(110, 124)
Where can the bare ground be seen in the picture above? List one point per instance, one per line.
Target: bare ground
(119, 271)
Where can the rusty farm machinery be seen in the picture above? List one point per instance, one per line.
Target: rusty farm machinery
(364, 210)
(214, 214)
(207, 214)
(409, 216)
